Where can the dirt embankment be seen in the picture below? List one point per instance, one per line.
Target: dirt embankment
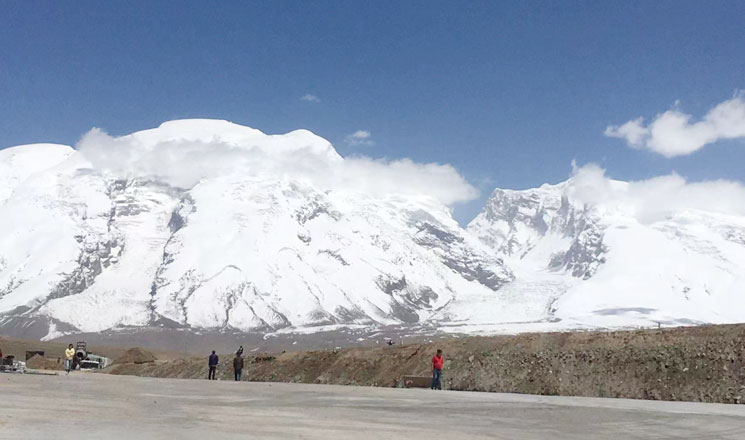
(136, 355)
(38, 362)
(55, 351)
(693, 364)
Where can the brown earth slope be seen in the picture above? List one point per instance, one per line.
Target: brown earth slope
(693, 364)
(136, 355)
(56, 350)
(38, 362)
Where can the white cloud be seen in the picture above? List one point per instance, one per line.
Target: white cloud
(656, 198)
(673, 134)
(310, 98)
(359, 137)
(232, 150)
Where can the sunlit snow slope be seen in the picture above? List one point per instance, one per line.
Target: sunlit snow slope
(117, 236)
(626, 255)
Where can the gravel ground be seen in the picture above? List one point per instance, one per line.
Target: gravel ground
(698, 364)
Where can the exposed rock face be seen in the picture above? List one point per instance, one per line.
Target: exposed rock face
(585, 254)
(514, 222)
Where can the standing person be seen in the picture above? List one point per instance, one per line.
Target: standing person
(437, 361)
(237, 367)
(212, 363)
(69, 354)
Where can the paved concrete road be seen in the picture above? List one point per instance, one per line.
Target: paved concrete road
(87, 405)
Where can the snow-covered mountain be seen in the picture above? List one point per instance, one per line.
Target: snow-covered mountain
(210, 225)
(603, 253)
(87, 247)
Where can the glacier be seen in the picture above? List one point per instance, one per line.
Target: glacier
(205, 224)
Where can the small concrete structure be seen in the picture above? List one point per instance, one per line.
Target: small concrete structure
(416, 382)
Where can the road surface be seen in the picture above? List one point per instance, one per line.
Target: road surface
(91, 405)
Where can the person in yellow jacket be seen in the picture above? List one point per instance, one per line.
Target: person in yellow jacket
(69, 354)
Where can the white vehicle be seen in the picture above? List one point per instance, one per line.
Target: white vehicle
(9, 365)
(87, 360)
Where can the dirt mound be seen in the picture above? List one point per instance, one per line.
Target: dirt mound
(704, 364)
(39, 362)
(136, 356)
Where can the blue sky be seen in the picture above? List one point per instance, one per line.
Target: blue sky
(507, 92)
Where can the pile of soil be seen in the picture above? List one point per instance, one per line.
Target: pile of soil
(39, 362)
(136, 355)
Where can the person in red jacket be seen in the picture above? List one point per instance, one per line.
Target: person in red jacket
(437, 361)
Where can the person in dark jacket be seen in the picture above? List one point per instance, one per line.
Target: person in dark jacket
(212, 362)
(238, 367)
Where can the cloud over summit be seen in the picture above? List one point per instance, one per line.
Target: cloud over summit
(673, 133)
(182, 153)
(656, 198)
